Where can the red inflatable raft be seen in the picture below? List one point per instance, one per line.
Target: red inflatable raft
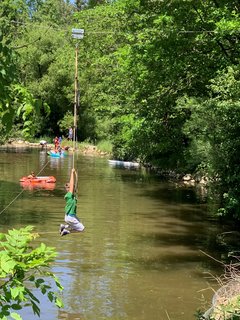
(35, 186)
(36, 180)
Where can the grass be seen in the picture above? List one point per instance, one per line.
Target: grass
(105, 146)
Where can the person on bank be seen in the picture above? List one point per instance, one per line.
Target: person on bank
(70, 134)
(72, 221)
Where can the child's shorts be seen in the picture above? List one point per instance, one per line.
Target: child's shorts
(74, 223)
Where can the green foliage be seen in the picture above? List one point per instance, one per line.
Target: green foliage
(12, 15)
(105, 146)
(17, 105)
(213, 131)
(21, 267)
(198, 315)
(185, 106)
(102, 84)
(23, 110)
(28, 110)
(7, 72)
(66, 122)
(47, 67)
(160, 34)
(123, 137)
(55, 12)
(229, 310)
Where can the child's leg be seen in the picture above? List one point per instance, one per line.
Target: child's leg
(62, 227)
(75, 224)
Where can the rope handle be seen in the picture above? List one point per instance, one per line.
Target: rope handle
(76, 184)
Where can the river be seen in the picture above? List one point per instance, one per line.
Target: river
(141, 254)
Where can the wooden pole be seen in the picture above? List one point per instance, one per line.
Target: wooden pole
(76, 95)
(75, 102)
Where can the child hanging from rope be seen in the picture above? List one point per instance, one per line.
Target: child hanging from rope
(73, 222)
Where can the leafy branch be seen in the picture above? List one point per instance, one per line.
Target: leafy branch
(21, 268)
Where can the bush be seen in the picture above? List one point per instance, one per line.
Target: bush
(22, 266)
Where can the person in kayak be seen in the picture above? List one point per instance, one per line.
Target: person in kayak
(32, 175)
(72, 221)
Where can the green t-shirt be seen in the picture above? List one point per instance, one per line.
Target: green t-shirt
(71, 204)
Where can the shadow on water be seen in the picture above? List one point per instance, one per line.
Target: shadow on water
(186, 222)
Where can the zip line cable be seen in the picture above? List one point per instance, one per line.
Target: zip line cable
(12, 202)
(18, 195)
(43, 167)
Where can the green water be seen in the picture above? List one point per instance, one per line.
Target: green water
(139, 257)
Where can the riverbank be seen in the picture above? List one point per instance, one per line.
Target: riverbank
(86, 149)
(92, 150)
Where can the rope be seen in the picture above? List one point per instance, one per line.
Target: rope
(22, 190)
(76, 186)
(43, 167)
(11, 202)
(76, 104)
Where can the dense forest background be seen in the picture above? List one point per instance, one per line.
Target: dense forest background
(160, 80)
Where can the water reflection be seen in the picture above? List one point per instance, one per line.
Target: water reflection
(139, 257)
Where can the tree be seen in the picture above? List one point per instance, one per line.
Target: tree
(215, 140)
(160, 72)
(46, 64)
(7, 74)
(15, 102)
(101, 84)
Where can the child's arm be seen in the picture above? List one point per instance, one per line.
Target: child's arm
(72, 181)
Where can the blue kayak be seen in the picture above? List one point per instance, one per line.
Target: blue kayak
(56, 154)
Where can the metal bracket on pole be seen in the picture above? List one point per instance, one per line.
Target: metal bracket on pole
(78, 33)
